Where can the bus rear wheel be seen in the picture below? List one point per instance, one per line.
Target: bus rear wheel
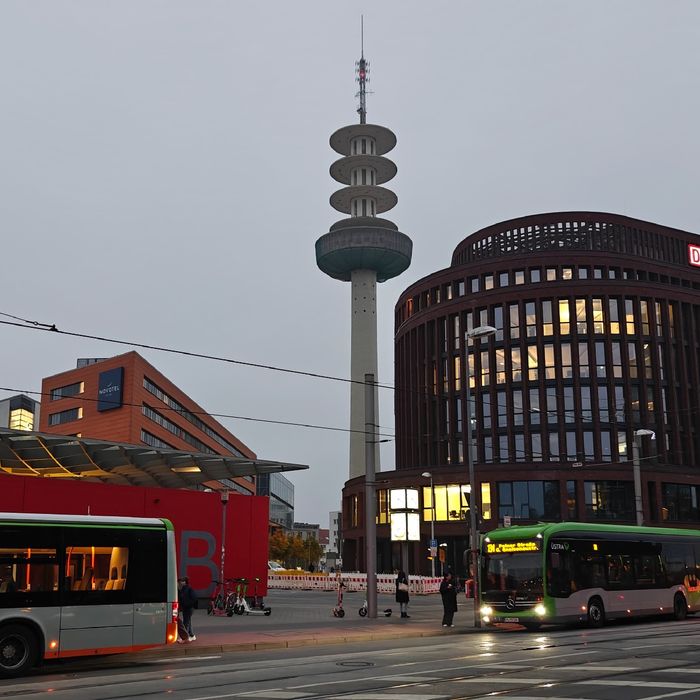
(596, 612)
(680, 607)
(19, 650)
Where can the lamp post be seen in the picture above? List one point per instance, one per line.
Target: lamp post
(642, 432)
(478, 332)
(428, 475)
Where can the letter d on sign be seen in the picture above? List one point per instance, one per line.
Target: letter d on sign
(694, 255)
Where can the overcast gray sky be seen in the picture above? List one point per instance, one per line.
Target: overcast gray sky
(164, 174)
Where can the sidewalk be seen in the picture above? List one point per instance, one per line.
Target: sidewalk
(304, 618)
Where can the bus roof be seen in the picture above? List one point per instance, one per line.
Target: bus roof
(88, 520)
(551, 529)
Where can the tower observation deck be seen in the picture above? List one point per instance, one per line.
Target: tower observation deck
(363, 249)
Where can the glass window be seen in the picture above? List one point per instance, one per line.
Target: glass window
(63, 392)
(583, 366)
(25, 571)
(520, 276)
(586, 406)
(532, 371)
(571, 451)
(629, 317)
(600, 363)
(516, 365)
(498, 322)
(530, 320)
(534, 275)
(609, 500)
(486, 410)
(503, 279)
(644, 314)
(67, 416)
(616, 359)
(566, 363)
(603, 408)
(517, 407)
(583, 273)
(613, 316)
(503, 454)
(529, 500)
(519, 439)
(551, 395)
(569, 408)
(484, 367)
(534, 416)
(581, 325)
(588, 448)
(547, 324)
(648, 369)
(572, 511)
(514, 321)
(457, 363)
(598, 273)
(679, 502)
(549, 364)
(567, 273)
(474, 284)
(605, 450)
(551, 274)
(564, 317)
(502, 409)
(500, 366)
(485, 500)
(598, 320)
(488, 282)
(536, 442)
(554, 455)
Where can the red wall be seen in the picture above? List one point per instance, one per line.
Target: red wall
(196, 515)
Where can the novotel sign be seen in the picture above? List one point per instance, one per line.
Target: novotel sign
(694, 255)
(110, 388)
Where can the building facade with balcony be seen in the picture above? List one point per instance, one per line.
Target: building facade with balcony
(597, 320)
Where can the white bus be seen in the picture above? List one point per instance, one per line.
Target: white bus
(74, 585)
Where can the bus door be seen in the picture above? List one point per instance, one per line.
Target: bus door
(98, 610)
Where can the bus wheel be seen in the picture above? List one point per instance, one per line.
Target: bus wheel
(596, 612)
(680, 607)
(18, 650)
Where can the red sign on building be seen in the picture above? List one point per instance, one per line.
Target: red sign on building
(694, 254)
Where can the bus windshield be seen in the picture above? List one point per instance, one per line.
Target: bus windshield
(515, 573)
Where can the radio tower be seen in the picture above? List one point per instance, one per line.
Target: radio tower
(363, 249)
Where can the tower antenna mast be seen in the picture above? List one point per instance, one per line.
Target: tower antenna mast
(362, 74)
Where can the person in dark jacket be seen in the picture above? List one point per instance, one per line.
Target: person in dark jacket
(448, 591)
(187, 600)
(402, 593)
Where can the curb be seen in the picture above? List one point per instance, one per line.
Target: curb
(179, 650)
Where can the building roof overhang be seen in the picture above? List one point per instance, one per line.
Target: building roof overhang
(65, 456)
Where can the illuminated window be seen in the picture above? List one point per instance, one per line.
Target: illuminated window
(614, 318)
(629, 316)
(354, 515)
(486, 500)
(598, 320)
(564, 317)
(382, 507)
(549, 371)
(520, 276)
(532, 370)
(657, 318)
(500, 365)
(567, 273)
(551, 274)
(451, 502)
(516, 365)
(470, 374)
(21, 419)
(671, 325)
(488, 282)
(458, 373)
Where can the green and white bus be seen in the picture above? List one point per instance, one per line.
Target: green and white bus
(582, 572)
(84, 585)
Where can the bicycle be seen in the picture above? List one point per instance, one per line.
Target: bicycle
(221, 598)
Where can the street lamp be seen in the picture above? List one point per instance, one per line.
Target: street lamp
(428, 475)
(478, 332)
(642, 432)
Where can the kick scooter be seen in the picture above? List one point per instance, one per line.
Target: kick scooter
(338, 609)
(241, 607)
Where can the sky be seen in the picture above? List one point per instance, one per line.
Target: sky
(164, 175)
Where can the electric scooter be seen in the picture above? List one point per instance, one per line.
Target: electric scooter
(242, 607)
(338, 609)
(364, 610)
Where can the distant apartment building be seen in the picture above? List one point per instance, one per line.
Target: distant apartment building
(280, 491)
(19, 413)
(335, 544)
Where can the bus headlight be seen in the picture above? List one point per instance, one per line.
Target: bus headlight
(486, 610)
(540, 610)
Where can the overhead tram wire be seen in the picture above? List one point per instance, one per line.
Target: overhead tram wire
(205, 413)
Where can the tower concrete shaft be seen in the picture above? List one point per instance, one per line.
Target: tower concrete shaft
(363, 249)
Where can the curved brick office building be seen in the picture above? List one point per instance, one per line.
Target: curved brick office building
(598, 336)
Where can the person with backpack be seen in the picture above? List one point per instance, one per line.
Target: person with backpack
(187, 600)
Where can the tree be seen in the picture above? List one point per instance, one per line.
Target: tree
(279, 546)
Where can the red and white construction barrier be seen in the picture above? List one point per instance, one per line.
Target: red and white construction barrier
(386, 583)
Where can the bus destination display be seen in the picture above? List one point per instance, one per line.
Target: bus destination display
(518, 547)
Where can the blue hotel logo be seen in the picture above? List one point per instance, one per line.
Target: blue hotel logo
(109, 390)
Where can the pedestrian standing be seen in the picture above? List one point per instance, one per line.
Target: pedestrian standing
(448, 591)
(402, 593)
(187, 602)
